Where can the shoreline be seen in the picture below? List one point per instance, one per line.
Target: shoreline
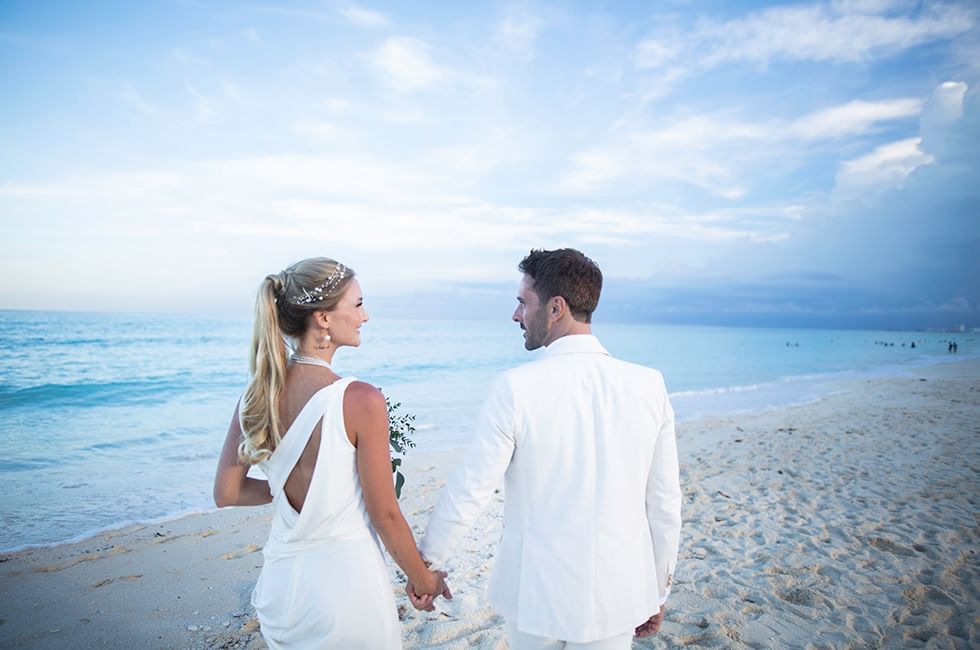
(832, 382)
(846, 521)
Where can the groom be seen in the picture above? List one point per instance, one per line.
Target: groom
(585, 444)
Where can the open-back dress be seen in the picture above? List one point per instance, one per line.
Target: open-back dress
(324, 582)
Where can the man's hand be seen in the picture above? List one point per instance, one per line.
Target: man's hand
(651, 626)
(424, 602)
(420, 602)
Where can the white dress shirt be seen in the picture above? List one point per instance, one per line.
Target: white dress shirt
(586, 446)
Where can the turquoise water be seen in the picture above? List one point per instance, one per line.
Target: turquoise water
(108, 419)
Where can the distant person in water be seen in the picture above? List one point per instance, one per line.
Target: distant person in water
(322, 441)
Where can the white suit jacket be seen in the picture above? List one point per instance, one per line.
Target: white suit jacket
(586, 446)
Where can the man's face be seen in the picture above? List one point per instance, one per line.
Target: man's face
(532, 315)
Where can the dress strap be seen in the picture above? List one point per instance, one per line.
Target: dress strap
(280, 464)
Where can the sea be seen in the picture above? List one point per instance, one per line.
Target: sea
(112, 419)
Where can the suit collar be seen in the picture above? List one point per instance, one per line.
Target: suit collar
(575, 344)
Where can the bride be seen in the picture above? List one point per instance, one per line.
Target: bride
(322, 441)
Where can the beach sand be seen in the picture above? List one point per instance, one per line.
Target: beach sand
(849, 522)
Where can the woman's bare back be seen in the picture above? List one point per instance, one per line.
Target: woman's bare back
(302, 383)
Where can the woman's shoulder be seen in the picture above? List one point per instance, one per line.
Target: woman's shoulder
(361, 396)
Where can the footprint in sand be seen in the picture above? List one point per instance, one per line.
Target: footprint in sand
(922, 633)
(702, 640)
(115, 550)
(245, 550)
(798, 596)
(927, 594)
(884, 544)
(102, 583)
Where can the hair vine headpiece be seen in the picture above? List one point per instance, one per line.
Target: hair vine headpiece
(319, 292)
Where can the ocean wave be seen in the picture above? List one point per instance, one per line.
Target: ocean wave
(718, 391)
(114, 340)
(91, 394)
(166, 437)
(25, 464)
(93, 532)
(775, 383)
(144, 441)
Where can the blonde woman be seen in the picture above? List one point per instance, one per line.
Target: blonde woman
(322, 441)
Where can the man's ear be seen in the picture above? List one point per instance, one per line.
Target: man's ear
(557, 308)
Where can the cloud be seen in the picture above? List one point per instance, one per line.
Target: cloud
(696, 150)
(902, 222)
(829, 32)
(637, 228)
(204, 106)
(518, 31)
(405, 63)
(958, 304)
(944, 108)
(141, 185)
(317, 130)
(854, 117)
(719, 154)
(884, 168)
(365, 17)
(654, 53)
(130, 96)
(836, 32)
(366, 204)
(187, 59)
(890, 164)
(870, 6)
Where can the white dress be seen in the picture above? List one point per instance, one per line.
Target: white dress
(324, 582)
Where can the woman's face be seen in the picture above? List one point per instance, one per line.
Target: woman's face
(347, 317)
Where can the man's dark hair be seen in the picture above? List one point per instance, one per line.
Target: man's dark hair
(568, 273)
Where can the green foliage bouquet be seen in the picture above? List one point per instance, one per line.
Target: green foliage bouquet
(400, 428)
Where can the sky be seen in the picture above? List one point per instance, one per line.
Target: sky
(811, 164)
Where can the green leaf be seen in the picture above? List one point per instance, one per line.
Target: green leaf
(400, 429)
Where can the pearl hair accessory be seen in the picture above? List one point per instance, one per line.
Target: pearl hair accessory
(319, 292)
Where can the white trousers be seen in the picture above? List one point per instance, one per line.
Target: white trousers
(524, 641)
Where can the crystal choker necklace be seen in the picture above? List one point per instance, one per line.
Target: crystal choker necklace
(309, 361)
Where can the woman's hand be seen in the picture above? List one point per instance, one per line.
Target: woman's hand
(423, 599)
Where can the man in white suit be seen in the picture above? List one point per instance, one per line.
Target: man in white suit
(585, 444)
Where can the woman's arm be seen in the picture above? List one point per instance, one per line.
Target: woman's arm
(366, 417)
(231, 485)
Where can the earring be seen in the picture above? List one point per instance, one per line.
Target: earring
(323, 342)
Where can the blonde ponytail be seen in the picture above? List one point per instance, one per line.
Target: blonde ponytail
(281, 308)
(267, 367)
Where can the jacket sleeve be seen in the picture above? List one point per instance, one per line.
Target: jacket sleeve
(472, 484)
(663, 501)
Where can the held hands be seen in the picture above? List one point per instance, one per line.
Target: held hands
(422, 599)
(651, 626)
